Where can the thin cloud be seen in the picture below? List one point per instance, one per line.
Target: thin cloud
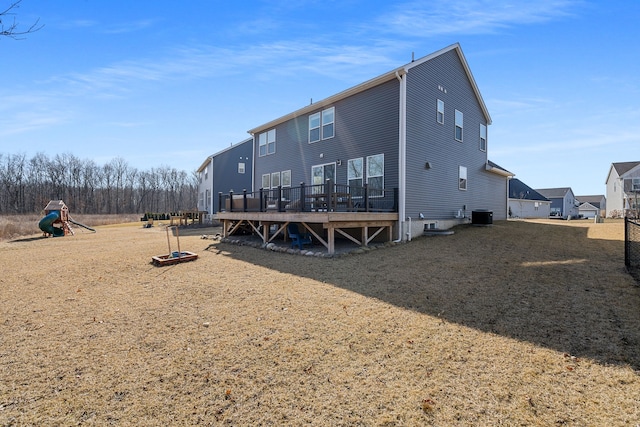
(23, 122)
(129, 27)
(273, 59)
(427, 19)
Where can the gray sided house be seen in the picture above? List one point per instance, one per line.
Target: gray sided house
(591, 206)
(563, 202)
(623, 189)
(227, 170)
(420, 129)
(525, 202)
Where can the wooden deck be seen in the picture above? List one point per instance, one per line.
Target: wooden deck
(345, 224)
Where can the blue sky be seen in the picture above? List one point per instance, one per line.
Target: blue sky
(168, 83)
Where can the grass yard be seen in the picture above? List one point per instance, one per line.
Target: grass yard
(520, 323)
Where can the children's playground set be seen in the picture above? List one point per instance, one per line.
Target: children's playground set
(57, 222)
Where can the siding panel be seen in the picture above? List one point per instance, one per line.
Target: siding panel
(365, 124)
(434, 192)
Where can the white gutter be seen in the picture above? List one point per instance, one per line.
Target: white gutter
(402, 152)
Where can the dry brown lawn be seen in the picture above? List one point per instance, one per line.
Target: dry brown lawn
(521, 323)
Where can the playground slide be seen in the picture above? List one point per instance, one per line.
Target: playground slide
(71, 220)
(46, 224)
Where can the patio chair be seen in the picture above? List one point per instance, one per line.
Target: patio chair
(297, 238)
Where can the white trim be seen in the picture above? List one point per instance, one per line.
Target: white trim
(483, 127)
(402, 155)
(438, 112)
(456, 126)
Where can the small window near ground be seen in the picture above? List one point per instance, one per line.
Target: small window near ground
(462, 178)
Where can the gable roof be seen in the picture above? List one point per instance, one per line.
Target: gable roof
(554, 193)
(592, 200)
(376, 81)
(520, 190)
(208, 159)
(588, 207)
(624, 167)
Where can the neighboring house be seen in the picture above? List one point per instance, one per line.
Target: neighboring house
(591, 206)
(525, 202)
(227, 170)
(563, 202)
(420, 128)
(623, 189)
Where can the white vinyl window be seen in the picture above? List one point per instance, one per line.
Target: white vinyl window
(322, 122)
(266, 181)
(440, 113)
(375, 175)
(275, 179)
(635, 184)
(286, 178)
(483, 137)
(314, 127)
(462, 177)
(241, 167)
(267, 142)
(459, 121)
(327, 123)
(355, 174)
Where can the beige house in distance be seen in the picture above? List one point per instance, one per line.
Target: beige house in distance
(623, 189)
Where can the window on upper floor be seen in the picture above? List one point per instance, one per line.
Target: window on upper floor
(635, 184)
(462, 177)
(483, 137)
(459, 121)
(321, 125)
(267, 142)
(314, 127)
(241, 167)
(440, 112)
(328, 116)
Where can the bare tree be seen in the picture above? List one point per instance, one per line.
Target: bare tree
(11, 29)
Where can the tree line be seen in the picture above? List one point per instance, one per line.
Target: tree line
(27, 185)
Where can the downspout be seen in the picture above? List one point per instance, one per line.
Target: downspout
(213, 195)
(253, 163)
(402, 152)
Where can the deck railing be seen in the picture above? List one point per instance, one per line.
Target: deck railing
(327, 197)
